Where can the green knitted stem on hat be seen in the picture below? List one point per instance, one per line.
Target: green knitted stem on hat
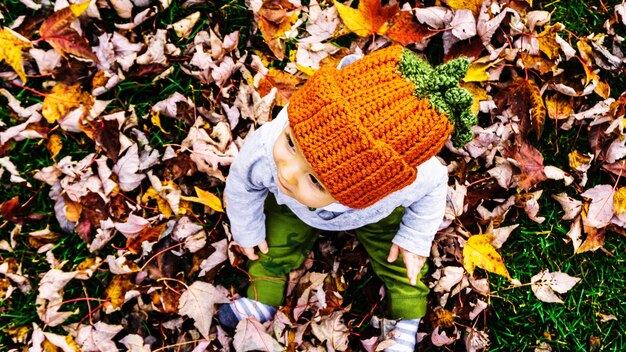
(441, 86)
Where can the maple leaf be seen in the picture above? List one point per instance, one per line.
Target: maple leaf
(601, 208)
(62, 99)
(275, 17)
(479, 252)
(198, 302)
(530, 162)
(333, 331)
(546, 283)
(523, 98)
(369, 18)
(57, 32)
(285, 83)
(559, 106)
(147, 234)
(473, 5)
(98, 337)
(252, 336)
(405, 30)
(11, 46)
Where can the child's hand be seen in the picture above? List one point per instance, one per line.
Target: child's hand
(249, 251)
(413, 262)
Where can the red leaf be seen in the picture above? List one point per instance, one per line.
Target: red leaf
(530, 162)
(57, 32)
(406, 30)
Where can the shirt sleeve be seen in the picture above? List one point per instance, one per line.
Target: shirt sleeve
(246, 190)
(422, 219)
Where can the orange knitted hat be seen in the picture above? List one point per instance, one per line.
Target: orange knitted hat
(365, 128)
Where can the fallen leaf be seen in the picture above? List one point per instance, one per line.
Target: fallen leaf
(333, 331)
(548, 43)
(571, 206)
(473, 5)
(285, 83)
(479, 252)
(98, 337)
(369, 18)
(546, 283)
(530, 162)
(198, 302)
(62, 99)
(207, 198)
(252, 336)
(11, 46)
(147, 234)
(475, 340)
(593, 241)
(559, 106)
(56, 30)
(601, 208)
(463, 25)
(524, 100)
(405, 30)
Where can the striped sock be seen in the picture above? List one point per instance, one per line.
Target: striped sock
(404, 336)
(230, 314)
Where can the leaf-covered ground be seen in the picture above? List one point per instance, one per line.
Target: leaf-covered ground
(120, 118)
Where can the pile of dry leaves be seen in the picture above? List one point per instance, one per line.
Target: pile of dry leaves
(150, 210)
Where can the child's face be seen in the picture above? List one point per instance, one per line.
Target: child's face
(295, 175)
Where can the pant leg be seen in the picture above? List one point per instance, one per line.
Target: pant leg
(406, 301)
(289, 240)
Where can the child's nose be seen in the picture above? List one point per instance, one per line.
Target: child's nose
(291, 171)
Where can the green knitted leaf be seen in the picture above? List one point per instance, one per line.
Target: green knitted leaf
(441, 86)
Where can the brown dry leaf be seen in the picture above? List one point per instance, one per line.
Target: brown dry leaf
(285, 83)
(198, 302)
(593, 241)
(473, 5)
(559, 106)
(546, 283)
(11, 46)
(62, 99)
(538, 63)
(479, 252)
(333, 331)
(523, 98)
(252, 336)
(57, 32)
(441, 318)
(405, 30)
(148, 234)
(530, 162)
(276, 17)
(369, 18)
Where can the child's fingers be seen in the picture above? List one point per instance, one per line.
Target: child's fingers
(393, 253)
(249, 252)
(263, 247)
(411, 273)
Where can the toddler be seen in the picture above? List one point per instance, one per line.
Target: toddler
(354, 149)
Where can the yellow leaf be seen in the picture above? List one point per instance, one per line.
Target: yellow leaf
(473, 5)
(54, 145)
(559, 106)
(116, 292)
(547, 41)
(619, 201)
(369, 18)
(11, 45)
(156, 120)
(78, 9)
(62, 99)
(579, 161)
(164, 206)
(207, 198)
(479, 252)
(477, 72)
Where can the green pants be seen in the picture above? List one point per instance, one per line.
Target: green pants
(290, 240)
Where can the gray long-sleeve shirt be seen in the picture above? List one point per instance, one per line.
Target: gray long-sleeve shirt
(253, 175)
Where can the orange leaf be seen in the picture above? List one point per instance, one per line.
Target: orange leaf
(57, 32)
(369, 18)
(54, 145)
(559, 106)
(150, 233)
(547, 41)
(283, 81)
(405, 30)
(63, 99)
